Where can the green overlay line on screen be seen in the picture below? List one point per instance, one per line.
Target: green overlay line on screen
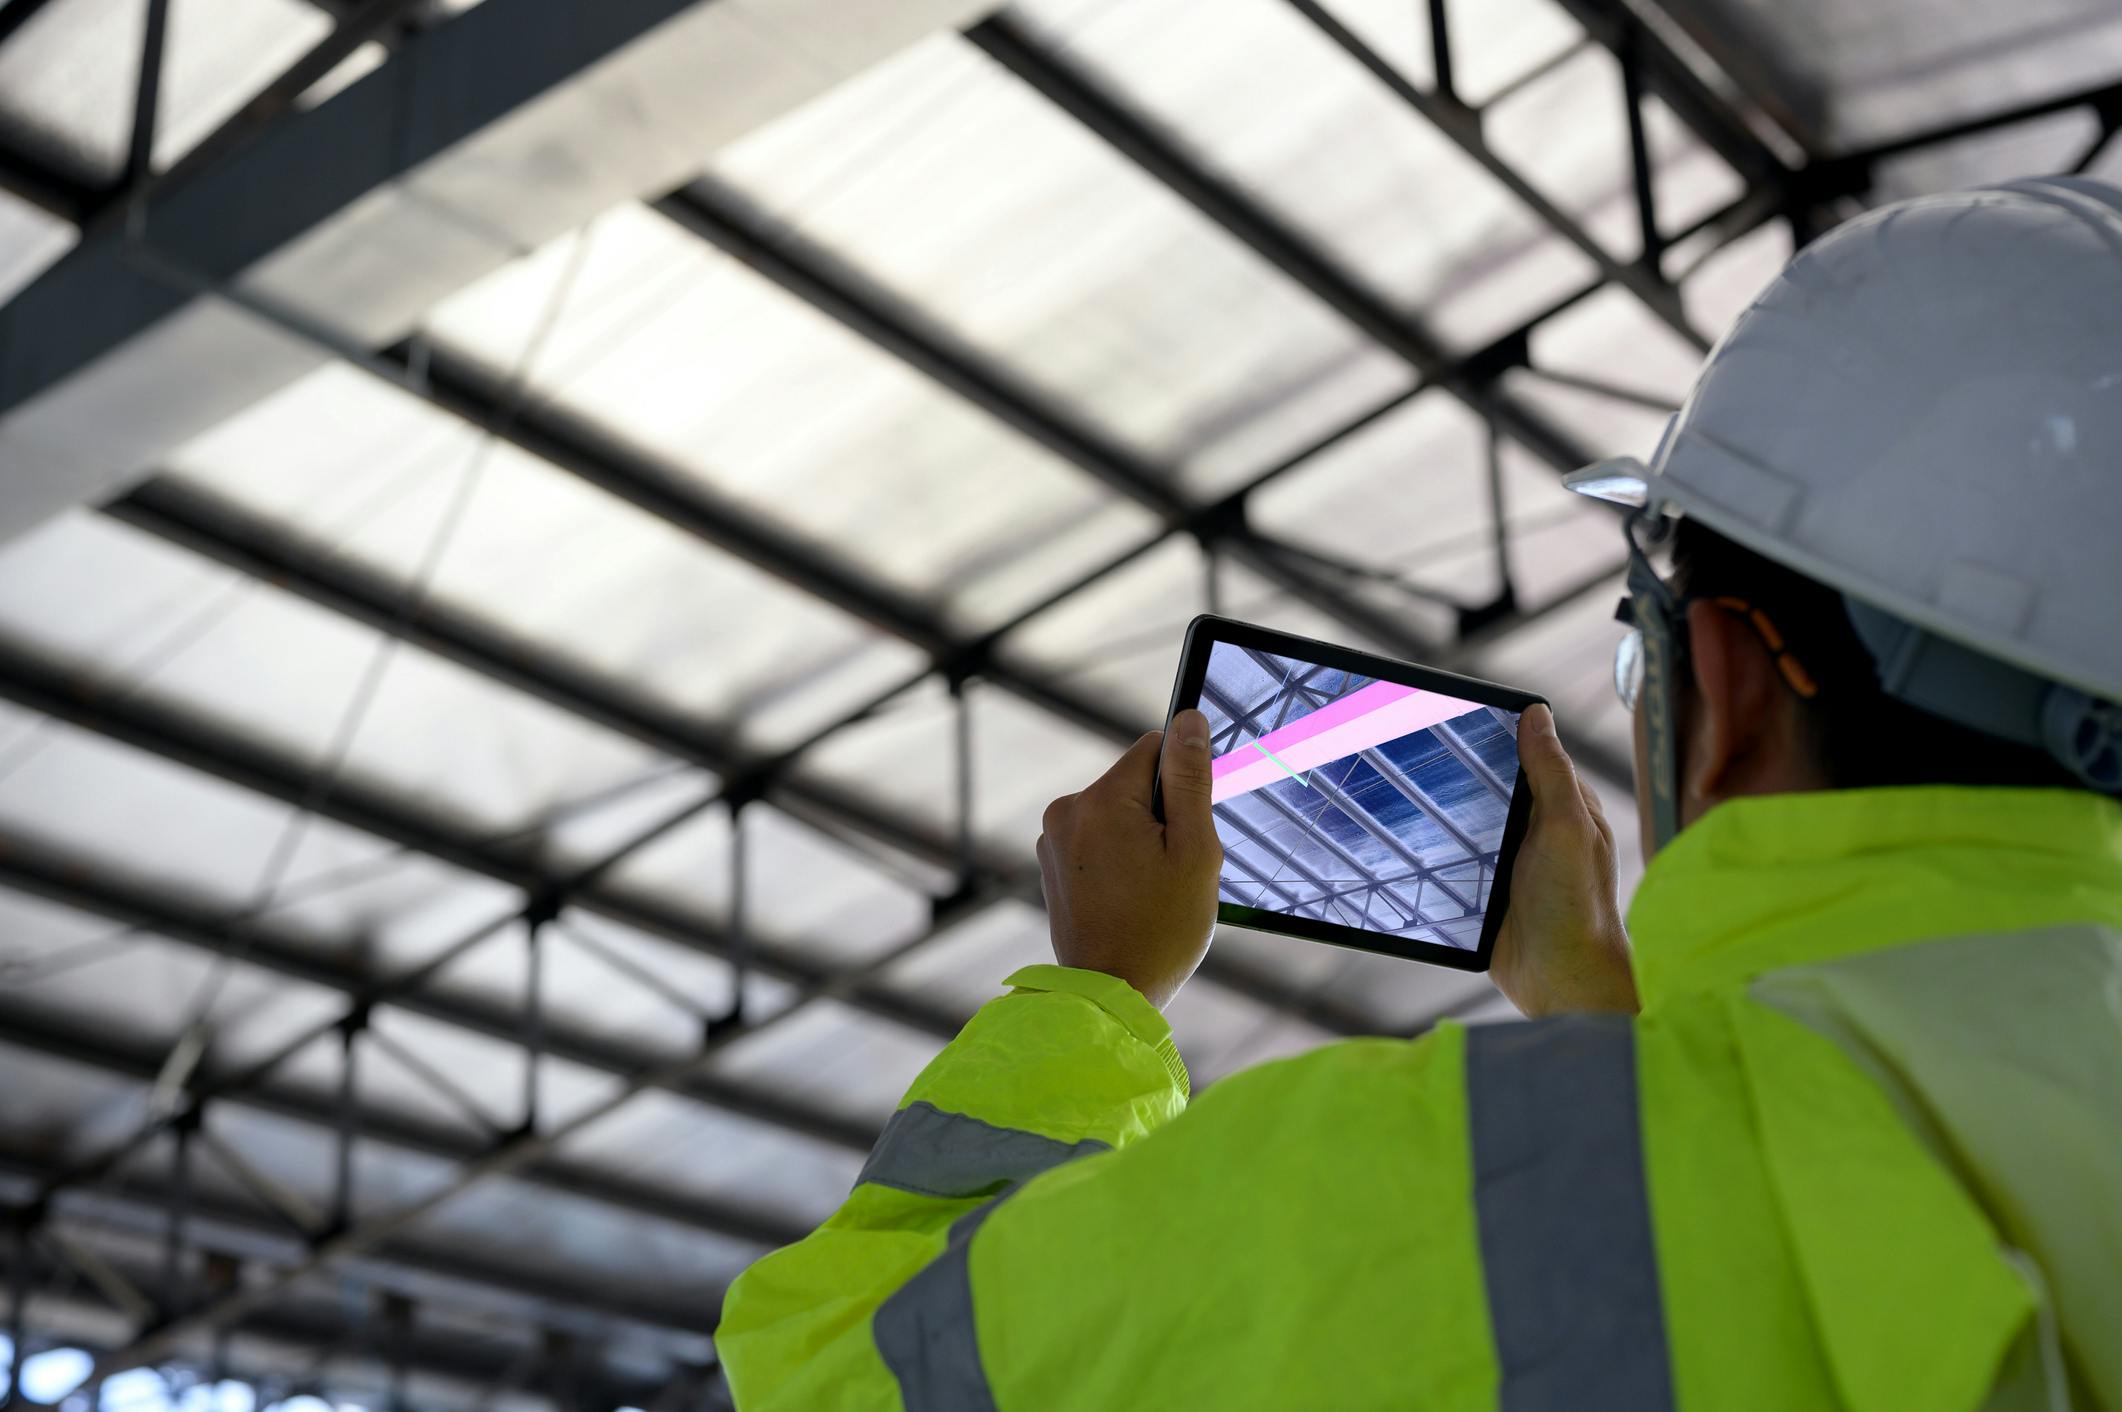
(1303, 779)
(1370, 716)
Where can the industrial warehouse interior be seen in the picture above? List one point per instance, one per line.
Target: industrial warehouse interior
(553, 552)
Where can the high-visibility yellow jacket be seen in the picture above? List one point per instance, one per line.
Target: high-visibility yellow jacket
(1862, 1150)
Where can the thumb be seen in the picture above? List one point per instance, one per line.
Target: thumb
(1185, 773)
(1546, 764)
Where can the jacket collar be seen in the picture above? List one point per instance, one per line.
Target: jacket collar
(1759, 884)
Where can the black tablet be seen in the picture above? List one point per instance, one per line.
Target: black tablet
(1361, 801)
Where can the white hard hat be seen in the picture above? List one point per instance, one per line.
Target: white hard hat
(1924, 411)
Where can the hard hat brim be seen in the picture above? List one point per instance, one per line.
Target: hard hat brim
(1619, 480)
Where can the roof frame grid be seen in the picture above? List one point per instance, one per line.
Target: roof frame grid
(1225, 514)
(1462, 126)
(57, 1260)
(1267, 990)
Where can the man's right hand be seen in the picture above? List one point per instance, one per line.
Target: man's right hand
(1562, 946)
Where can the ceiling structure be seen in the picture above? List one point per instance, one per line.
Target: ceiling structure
(555, 555)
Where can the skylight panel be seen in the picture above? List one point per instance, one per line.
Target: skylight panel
(1611, 341)
(1334, 152)
(764, 401)
(834, 1058)
(1566, 131)
(808, 892)
(965, 193)
(106, 599)
(964, 967)
(353, 463)
(158, 821)
(682, 1147)
(67, 79)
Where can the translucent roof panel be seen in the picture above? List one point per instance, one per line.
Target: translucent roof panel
(835, 1058)
(1495, 44)
(1118, 641)
(1022, 758)
(87, 973)
(500, 1224)
(964, 966)
(1612, 340)
(662, 1140)
(30, 240)
(1855, 75)
(1219, 1030)
(164, 625)
(1559, 540)
(659, 1264)
(58, 1100)
(67, 79)
(483, 1075)
(1723, 282)
(684, 351)
(1332, 150)
(1062, 260)
(1566, 131)
(1409, 497)
(357, 465)
(801, 889)
(181, 829)
(2054, 143)
(595, 980)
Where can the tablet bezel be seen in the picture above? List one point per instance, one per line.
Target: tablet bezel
(1204, 632)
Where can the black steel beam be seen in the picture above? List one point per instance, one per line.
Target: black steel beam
(50, 190)
(229, 756)
(829, 285)
(229, 534)
(267, 1339)
(549, 1287)
(132, 1209)
(452, 81)
(80, 885)
(575, 446)
(1614, 25)
(1005, 41)
(17, 13)
(25, 1029)
(722, 218)
(1850, 172)
(232, 536)
(1640, 279)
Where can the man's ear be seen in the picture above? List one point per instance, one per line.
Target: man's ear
(1734, 722)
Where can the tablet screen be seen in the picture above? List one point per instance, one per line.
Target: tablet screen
(1354, 800)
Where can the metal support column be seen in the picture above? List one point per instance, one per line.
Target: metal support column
(1639, 150)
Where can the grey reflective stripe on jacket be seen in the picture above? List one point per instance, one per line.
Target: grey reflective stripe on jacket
(926, 1333)
(929, 1152)
(1563, 1213)
(1563, 1216)
(925, 1330)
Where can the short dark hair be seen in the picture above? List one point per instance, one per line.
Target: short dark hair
(1863, 737)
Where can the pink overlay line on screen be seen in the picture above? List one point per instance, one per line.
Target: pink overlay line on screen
(1371, 716)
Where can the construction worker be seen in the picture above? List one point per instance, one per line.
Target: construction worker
(1860, 1148)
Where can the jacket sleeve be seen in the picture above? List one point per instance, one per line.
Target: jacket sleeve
(1035, 1230)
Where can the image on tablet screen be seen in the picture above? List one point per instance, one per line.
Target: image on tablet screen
(1352, 800)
